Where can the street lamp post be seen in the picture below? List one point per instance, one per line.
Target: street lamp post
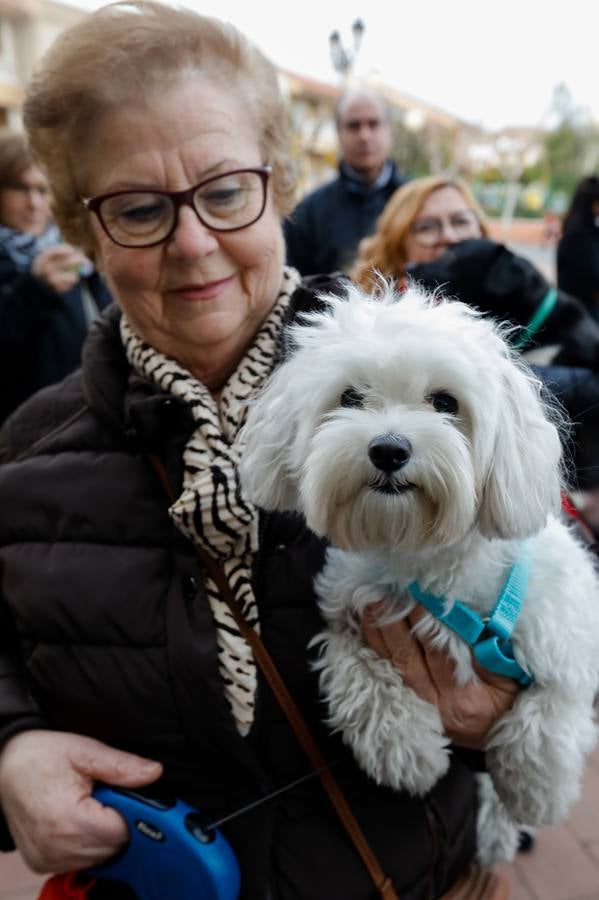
(343, 59)
(511, 166)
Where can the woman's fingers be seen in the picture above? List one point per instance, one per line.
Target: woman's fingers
(469, 711)
(394, 641)
(46, 780)
(59, 267)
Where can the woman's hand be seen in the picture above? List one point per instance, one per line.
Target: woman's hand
(46, 780)
(59, 267)
(467, 712)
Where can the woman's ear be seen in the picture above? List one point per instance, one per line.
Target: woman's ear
(523, 481)
(267, 444)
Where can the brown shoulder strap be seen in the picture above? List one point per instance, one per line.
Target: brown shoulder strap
(298, 724)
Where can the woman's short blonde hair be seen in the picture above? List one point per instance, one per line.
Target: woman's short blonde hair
(125, 53)
(385, 250)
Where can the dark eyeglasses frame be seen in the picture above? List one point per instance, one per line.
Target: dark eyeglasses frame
(179, 199)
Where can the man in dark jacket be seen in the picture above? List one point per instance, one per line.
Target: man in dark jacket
(324, 230)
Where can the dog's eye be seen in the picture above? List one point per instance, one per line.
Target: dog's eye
(352, 399)
(444, 403)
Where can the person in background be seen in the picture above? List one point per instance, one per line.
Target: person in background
(420, 222)
(49, 291)
(324, 230)
(578, 247)
(163, 135)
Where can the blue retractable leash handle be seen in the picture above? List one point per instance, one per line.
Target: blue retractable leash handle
(173, 852)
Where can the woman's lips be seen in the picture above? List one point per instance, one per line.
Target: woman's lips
(209, 290)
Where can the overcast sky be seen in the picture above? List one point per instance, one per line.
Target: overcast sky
(494, 63)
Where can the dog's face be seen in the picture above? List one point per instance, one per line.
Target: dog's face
(402, 422)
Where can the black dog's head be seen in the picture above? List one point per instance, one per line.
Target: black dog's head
(492, 278)
(487, 275)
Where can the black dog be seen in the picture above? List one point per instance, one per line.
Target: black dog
(508, 287)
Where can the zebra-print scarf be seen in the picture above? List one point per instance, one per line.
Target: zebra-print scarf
(211, 509)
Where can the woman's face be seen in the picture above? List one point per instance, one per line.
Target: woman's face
(25, 205)
(443, 219)
(201, 295)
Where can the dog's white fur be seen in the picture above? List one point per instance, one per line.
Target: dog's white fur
(477, 482)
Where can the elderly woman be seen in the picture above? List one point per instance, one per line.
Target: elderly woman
(163, 134)
(49, 292)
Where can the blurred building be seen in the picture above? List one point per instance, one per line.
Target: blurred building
(27, 28)
(426, 138)
(311, 109)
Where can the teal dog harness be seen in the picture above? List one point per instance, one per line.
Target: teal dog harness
(489, 638)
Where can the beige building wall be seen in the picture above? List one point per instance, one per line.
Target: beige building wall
(27, 28)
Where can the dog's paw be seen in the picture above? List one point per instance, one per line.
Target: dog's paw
(396, 737)
(404, 749)
(532, 795)
(536, 756)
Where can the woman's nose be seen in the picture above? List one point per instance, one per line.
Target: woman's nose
(191, 239)
(36, 199)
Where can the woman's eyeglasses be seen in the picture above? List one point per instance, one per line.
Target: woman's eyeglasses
(429, 231)
(142, 218)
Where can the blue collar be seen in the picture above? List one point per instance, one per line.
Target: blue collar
(489, 638)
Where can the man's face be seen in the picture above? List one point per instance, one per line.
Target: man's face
(364, 135)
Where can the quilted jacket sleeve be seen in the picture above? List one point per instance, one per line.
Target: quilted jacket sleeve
(25, 304)
(18, 710)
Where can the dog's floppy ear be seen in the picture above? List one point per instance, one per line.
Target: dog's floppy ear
(460, 271)
(523, 480)
(269, 432)
(515, 285)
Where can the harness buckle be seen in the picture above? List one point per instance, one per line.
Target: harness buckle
(497, 656)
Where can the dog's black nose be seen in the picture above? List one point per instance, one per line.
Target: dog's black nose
(388, 452)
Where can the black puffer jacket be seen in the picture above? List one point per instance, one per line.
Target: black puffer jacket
(105, 631)
(41, 332)
(578, 264)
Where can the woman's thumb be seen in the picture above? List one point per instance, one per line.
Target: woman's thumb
(103, 763)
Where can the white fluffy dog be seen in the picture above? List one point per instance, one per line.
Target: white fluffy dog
(406, 432)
